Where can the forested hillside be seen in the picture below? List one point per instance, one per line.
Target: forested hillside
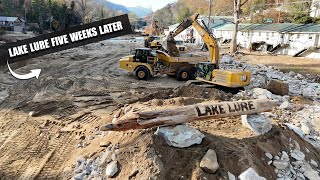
(254, 11)
(60, 14)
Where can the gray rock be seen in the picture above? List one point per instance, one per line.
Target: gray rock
(79, 176)
(259, 123)
(305, 129)
(313, 163)
(112, 169)
(262, 93)
(180, 136)
(105, 156)
(292, 74)
(297, 163)
(297, 155)
(231, 176)
(295, 129)
(226, 59)
(285, 105)
(280, 164)
(269, 155)
(209, 162)
(81, 159)
(285, 156)
(250, 174)
(310, 173)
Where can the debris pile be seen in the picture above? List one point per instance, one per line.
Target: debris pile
(261, 75)
(293, 166)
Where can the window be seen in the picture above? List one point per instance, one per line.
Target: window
(298, 36)
(267, 34)
(310, 37)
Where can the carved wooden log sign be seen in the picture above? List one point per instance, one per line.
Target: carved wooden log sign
(190, 113)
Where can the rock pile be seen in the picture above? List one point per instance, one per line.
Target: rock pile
(293, 166)
(104, 165)
(261, 75)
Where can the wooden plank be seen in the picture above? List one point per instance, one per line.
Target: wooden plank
(184, 114)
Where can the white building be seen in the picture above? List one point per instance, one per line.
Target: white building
(282, 38)
(315, 8)
(12, 23)
(302, 41)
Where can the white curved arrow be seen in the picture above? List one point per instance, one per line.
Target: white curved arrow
(34, 73)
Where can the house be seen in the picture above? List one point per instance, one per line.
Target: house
(225, 33)
(302, 41)
(315, 8)
(12, 24)
(282, 38)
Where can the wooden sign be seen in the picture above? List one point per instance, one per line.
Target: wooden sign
(184, 114)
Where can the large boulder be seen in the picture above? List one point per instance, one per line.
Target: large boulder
(209, 162)
(180, 136)
(278, 87)
(258, 123)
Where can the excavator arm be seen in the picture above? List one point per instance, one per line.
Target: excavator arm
(206, 35)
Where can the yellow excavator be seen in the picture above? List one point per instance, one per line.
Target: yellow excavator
(209, 72)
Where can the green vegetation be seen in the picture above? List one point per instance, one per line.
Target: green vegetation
(55, 14)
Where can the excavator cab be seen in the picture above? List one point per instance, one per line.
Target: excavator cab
(204, 70)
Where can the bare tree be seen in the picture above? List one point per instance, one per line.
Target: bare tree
(83, 5)
(236, 13)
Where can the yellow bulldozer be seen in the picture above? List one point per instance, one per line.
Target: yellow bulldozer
(146, 63)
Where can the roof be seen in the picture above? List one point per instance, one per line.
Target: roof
(229, 27)
(10, 19)
(249, 27)
(144, 48)
(173, 26)
(308, 28)
(278, 27)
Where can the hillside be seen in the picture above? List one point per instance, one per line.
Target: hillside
(138, 10)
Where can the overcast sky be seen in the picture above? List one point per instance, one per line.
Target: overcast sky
(154, 4)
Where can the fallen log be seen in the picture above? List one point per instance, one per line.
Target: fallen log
(184, 114)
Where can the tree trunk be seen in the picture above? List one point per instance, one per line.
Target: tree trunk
(236, 15)
(50, 15)
(185, 114)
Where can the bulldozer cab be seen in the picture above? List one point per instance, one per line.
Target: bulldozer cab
(144, 55)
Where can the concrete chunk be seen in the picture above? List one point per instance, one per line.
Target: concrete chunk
(259, 123)
(250, 174)
(180, 136)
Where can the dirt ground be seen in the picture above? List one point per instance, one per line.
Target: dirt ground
(81, 89)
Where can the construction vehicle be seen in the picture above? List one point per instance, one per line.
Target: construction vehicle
(145, 63)
(181, 47)
(209, 72)
(153, 42)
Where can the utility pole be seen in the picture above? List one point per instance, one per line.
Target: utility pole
(210, 6)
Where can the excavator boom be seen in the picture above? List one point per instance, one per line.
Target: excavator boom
(206, 35)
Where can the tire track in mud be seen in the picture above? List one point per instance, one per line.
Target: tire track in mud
(52, 168)
(30, 155)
